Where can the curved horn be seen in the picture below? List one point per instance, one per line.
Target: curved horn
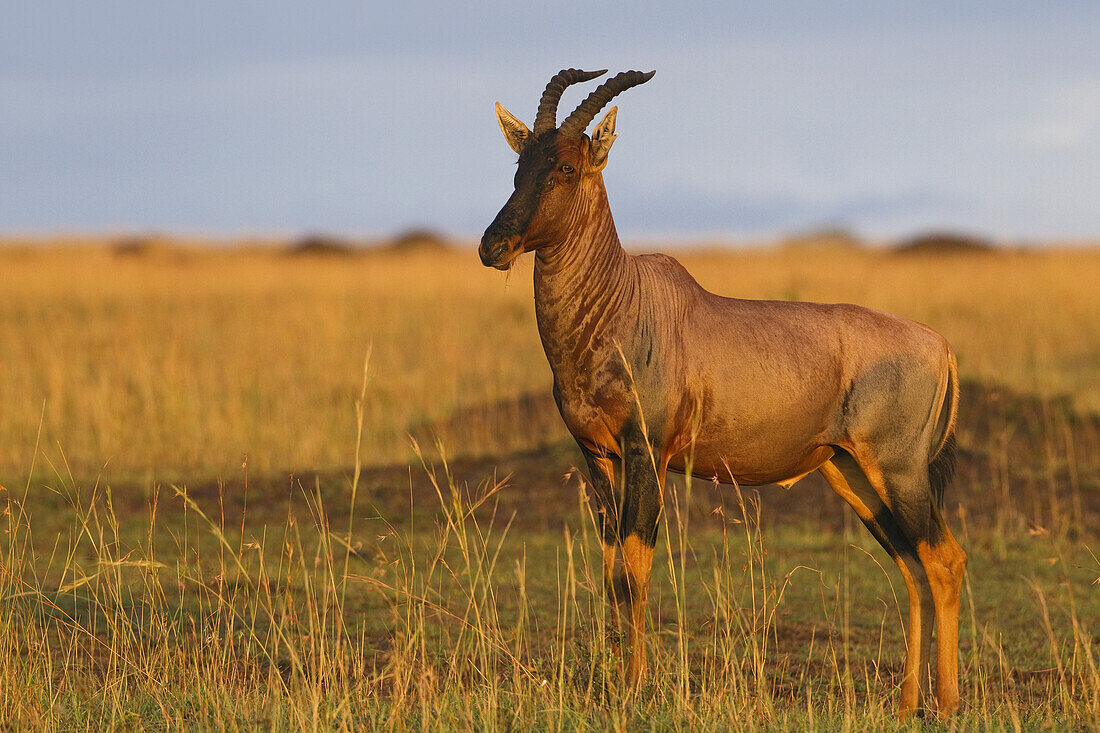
(547, 117)
(575, 124)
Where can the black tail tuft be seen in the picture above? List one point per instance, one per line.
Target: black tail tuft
(942, 468)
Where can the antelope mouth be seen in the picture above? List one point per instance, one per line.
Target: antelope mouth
(500, 254)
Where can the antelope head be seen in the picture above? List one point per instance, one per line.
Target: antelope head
(554, 164)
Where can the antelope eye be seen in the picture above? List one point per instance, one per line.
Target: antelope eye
(566, 168)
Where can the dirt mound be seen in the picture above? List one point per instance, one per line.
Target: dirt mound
(525, 420)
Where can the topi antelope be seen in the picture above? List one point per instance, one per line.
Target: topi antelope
(653, 373)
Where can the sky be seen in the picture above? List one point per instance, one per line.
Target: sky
(364, 119)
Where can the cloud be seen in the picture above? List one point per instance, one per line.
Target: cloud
(887, 116)
(1067, 117)
(641, 212)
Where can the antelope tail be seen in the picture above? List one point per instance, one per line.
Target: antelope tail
(941, 467)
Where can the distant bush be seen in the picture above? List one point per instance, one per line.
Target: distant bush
(136, 245)
(942, 242)
(322, 245)
(418, 240)
(829, 237)
(151, 245)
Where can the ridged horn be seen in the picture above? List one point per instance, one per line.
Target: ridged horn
(547, 117)
(579, 119)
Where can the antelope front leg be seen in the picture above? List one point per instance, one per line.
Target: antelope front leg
(607, 512)
(641, 511)
(637, 563)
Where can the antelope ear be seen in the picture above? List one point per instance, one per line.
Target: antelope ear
(515, 132)
(602, 139)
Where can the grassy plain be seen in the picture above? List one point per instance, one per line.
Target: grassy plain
(212, 521)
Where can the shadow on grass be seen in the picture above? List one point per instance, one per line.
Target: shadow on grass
(1024, 462)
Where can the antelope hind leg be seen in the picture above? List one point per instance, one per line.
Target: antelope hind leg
(946, 563)
(849, 481)
(908, 492)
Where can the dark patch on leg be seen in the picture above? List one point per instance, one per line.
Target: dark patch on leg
(641, 510)
(641, 505)
(648, 521)
(882, 519)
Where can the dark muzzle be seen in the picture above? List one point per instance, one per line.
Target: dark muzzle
(503, 239)
(499, 252)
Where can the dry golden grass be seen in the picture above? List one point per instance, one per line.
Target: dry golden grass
(188, 362)
(183, 361)
(383, 600)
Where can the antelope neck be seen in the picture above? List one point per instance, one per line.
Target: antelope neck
(584, 281)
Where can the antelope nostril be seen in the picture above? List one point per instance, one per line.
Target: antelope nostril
(486, 257)
(490, 255)
(496, 252)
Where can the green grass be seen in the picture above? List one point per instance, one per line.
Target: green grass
(442, 606)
